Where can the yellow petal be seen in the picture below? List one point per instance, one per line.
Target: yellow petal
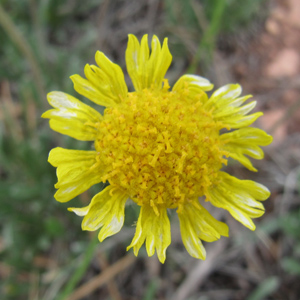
(224, 96)
(226, 108)
(147, 71)
(246, 141)
(114, 74)
(254, 189)
(236, 117)
(106, 210)
(105, 85)
(197, 224)
(231, 111)
(207, 227)
(80, 211)
(239, 197)
(238, 155)
(77, 171)
(227, 93)
(249, 136)
(193, 81)
(72, 117)
(155, 229)
(239, 121)
(190, 239)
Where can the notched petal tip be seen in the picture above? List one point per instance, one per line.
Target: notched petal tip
(261, 192)
(240, 197)
(54, 154)
(45, 115)
(250, 226)
(198, 224)
(268, 139)
(59, 197)
(147, 70)
(162, 258)
(105, 211)
(155, 230)
(195, 82)
(228, 91)
(154, 42)
(79, 211)
(105, 85)
(225, 230)
(74, 77)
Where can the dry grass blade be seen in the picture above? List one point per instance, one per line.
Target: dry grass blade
(201, 271)
(104, 277)
(111, 284)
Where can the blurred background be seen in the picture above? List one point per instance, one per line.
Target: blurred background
(44, 255)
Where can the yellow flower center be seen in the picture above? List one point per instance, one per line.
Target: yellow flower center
(161, 147)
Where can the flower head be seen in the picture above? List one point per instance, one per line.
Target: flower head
(158, 146)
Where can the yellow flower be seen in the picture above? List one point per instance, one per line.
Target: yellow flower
(158, 146)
